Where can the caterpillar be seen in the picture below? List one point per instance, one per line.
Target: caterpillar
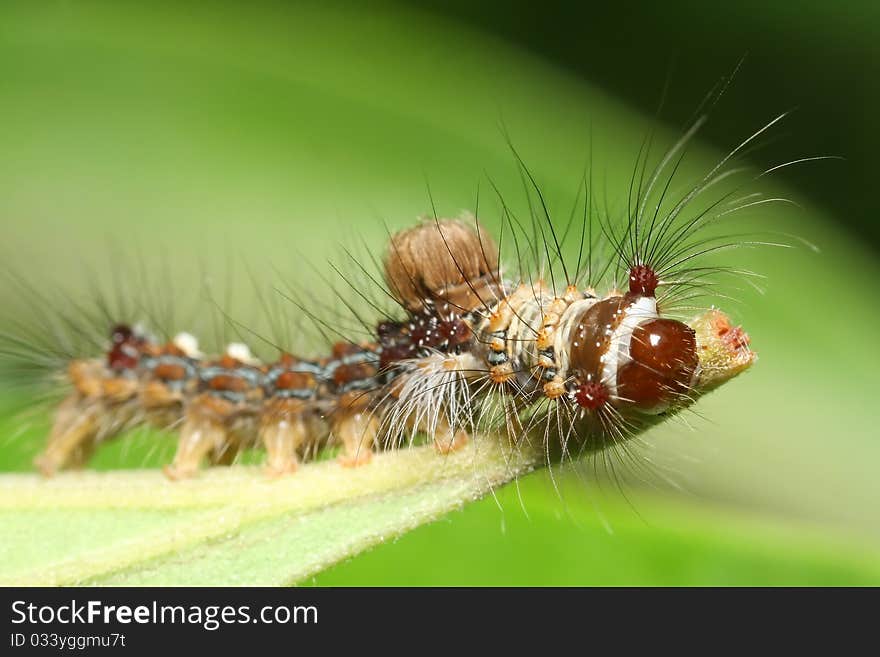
(578, 364)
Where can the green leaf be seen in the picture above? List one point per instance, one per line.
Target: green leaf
(232, 526)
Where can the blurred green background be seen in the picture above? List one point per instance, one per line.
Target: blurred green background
(205, 135)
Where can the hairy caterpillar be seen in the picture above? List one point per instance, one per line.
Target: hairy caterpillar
(578, 364)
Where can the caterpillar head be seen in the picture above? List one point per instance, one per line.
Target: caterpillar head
(624, 354)
(661, 367)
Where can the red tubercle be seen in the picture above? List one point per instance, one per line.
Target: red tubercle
(591, 395)
(124, 353)
(643, 280)
(733, 336)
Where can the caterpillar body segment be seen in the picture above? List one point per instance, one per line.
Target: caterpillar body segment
(292, 422)
(169, 378)
(352, 375)
(220, 420)
(102, 403)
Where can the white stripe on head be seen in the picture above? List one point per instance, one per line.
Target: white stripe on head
(617, 354)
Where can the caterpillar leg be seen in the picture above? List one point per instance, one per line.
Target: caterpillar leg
(446, 439)
(77, 421)
(76, 426)
(198, 438)
(437, 382)
(220, 422)
(225, 454)
(241, 434)
(163, 406)
(283, 432)
(355, 424)
(203, 434)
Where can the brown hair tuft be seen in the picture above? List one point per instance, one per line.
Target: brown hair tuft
(442, 260)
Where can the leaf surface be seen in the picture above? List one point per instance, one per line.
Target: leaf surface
(232, 526)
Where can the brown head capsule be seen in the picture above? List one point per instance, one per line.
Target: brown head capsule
(663, 360)
(622, 353)
(449, 260)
